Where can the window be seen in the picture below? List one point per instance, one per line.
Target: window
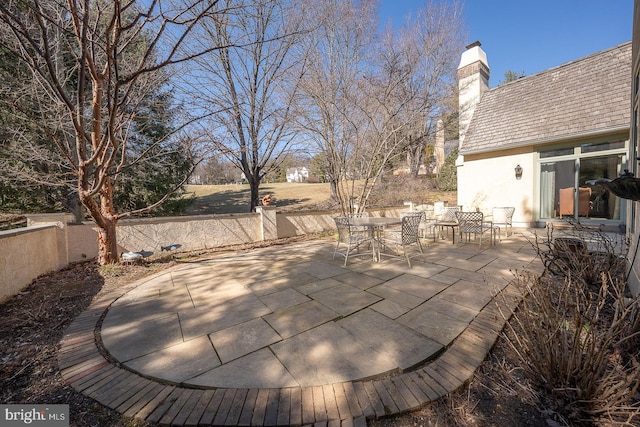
(563, 175)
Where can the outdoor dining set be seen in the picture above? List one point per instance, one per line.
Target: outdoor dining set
(398, 236)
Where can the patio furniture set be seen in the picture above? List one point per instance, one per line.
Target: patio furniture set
(419, 223)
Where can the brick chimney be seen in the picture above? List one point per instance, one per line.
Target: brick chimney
(473, 81)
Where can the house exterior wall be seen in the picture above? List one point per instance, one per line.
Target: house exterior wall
(634, 148)
(504, 189)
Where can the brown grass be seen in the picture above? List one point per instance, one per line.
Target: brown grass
(225, 199)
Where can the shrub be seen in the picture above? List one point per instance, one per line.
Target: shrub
(448, 178)
(579, 337)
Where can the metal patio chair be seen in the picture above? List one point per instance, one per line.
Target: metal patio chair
(473, 223)
(351, 237)
(407, 236)
(503, 217)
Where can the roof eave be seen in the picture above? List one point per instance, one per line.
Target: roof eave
(543, 141)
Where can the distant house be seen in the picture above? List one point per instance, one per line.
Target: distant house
(297, 174)
(534, 142)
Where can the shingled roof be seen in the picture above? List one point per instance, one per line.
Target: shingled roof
(587, 96)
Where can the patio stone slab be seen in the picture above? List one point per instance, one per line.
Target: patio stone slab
(319, 285)
(444, 278)
(361, 281)
(128, 340)
(415, 285)
(178, 362)
(426, 270)
(468, 294)
(462, 264)
(321, 270)
(390, 309)
(212, 294)
(260, 369)
(283, 299)
(403, 346)
(146, 303)
(345, 299)
(294, 320)
(148, 289)
(451, 309)
(328, 354)
(386, 269)
(203, 321)
(193, 273)
(281, 280)
(242, 339)
(433, 324)
(399, 297)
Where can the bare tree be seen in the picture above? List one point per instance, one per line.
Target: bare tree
(327, 104)
(115, 51)
(437, 36)
(246, 87)
(370, 98)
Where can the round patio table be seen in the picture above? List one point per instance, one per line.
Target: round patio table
(450, 224)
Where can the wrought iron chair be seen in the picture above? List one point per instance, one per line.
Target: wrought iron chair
(473, 223)
(503, 217)
(406, 236)
(351, 237)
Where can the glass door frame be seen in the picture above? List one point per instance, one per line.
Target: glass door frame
(574, 153)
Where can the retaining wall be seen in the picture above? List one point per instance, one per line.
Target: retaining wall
(27, 253)
(52, 241)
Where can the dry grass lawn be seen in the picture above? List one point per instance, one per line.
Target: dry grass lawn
(225, 199)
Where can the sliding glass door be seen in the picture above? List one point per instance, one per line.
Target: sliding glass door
(604, 204)
(564, 173)
(555, 176)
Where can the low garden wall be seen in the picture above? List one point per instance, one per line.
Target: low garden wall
(52, 241)
(27, 253)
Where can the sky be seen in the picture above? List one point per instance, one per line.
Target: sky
(533, 35)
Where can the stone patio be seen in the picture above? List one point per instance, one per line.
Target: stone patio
(286, 333)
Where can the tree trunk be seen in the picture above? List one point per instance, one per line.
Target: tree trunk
(105, 218)
(334, 189)
(107, 242)
(254, 185)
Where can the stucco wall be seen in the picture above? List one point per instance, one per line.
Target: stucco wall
(51, 241)
(297, 224)
(487, 181)
(82, 242)
(191, 232)
(26, 254)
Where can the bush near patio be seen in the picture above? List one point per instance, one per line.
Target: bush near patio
(577, 332)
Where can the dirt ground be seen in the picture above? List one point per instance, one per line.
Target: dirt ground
(32, 324)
